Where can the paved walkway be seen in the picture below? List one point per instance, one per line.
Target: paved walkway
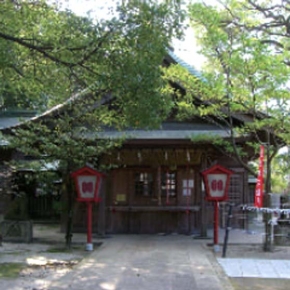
(166, 262)
(256, 268)
(252, 267)
(147, 262)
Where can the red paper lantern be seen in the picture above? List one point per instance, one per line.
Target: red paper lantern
(88, 182)
(217, 180)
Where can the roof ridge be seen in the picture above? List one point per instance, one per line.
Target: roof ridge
(192, 70)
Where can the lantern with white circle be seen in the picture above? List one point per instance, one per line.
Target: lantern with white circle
(88, 184)
(216, 180)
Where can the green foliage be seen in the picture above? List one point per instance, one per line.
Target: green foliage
(281, 172)
(17, 209)
(85, 74)
(245, 69)
(48, 54)
(244, 87)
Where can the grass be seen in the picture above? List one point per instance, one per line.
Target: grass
(10, 270)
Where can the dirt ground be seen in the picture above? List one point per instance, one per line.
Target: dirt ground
(260, 284)
(35, 266)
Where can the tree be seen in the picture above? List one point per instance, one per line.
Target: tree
(245, 80)
(99, 73)
(280, 172)
(48, 54)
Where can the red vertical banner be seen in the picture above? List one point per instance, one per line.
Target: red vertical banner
(260, 180)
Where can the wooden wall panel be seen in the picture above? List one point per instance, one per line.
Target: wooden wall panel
(141, 214)
(120, 187)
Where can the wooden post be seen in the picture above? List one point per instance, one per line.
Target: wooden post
(203, 207)
(101, 229)
(216, 227)
(89, 246)
(159, 185)
(229, 218)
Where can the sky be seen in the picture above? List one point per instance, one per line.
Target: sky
(186, 49)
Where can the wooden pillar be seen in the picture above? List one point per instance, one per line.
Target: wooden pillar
(101, 230)
(159, 185)
(203, 207)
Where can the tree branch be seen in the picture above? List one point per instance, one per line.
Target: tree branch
(43, 50)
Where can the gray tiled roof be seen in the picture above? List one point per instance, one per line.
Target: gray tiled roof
(187, 66)
(168, 131)
(12, 118)
(8, 122)
(162, 135)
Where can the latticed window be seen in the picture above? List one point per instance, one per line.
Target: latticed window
(144, 183)
(235, 189)
(168, 183)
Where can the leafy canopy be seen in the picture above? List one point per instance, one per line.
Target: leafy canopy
(47, 54)
(52, 57)
(95, 72)
(245, 79)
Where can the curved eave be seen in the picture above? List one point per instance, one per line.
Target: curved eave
(162, 135)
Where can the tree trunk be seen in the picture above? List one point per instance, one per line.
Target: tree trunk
(69, 220)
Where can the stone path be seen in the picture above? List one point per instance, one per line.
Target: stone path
(256, 268)
(146, 262)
